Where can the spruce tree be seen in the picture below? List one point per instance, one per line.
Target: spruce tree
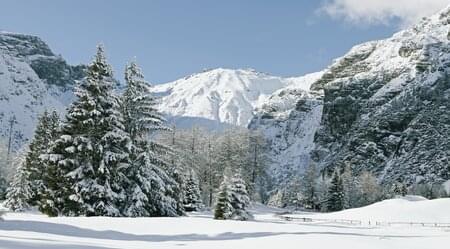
(335, 200)
(192, 199)
(46, 131)
(149, 180)
(240, 200)
(224, 209)
(19, 193)
(84, 162)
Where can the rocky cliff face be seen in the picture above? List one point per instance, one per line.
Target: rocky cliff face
(32, 79)
(387, 106)
(289, 120)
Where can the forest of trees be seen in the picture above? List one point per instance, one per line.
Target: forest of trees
(113, 154)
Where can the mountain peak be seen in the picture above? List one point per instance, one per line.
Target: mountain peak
(23, 45)
(220, 95)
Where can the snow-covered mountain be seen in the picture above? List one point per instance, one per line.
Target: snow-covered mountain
(32, 79)
(289, 119)
(383, 107)
(218, 97)
(387, 106)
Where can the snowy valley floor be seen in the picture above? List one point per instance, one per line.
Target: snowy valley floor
(27, 230)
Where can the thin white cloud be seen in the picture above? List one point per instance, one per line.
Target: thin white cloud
(382, 11)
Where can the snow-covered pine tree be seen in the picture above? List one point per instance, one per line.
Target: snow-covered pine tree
(46, 131)
(309, 187)
(335, 200)
(223, 209)
(150, 184)
(19, 193)
(83, 163)
(192, 199)
(240, 200)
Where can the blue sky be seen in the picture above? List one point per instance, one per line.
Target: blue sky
(172, 39)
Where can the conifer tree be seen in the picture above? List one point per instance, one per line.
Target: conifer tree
(224, 209)
(150, 184)
(192, 199)
(83, 163)
(46, 131)
(335, 200)
(240, 200)
(19, 193)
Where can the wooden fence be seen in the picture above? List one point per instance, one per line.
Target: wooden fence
(359, 222)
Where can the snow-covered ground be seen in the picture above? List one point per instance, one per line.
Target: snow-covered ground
(28, 230)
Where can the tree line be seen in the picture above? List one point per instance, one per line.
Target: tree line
(113, 155)
(344, 189)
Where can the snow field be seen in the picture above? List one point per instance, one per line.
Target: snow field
(200, 231)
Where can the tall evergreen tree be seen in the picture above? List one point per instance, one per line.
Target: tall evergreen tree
(240, 200)
(84, 161)
(19, 193)
(150, 184)
(46, 131)
(223, 208)
(192, 199)
(335, 200)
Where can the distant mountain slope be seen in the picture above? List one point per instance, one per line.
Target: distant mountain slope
(218, 97)
(289, 119)
(387, 106)
(383, 107)
(32, 79)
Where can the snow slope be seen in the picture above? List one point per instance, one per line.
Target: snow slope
(289, 119)
(200, 231)
(408, 209)
(220, 96)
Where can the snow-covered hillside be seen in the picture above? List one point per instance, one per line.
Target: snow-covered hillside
(289, 119)
(219, 97)
(414, 209)
(382, 107)
(32, 79)
(387, 106)
(200, 231)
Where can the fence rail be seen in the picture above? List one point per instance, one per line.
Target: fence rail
(359, 222)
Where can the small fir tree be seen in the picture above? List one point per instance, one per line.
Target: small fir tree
(240, 200)
(192, 199)
(46, 131)
(19, 193)
(335, 200)
(224, 209)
